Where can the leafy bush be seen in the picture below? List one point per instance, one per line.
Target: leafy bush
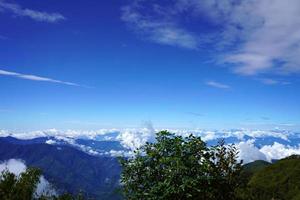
(23, 187)
(176, 167)
(18, 188)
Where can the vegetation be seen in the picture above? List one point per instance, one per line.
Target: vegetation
(181, 168)
(23, 187)
(248, 171)
(185, 168)
(280, 180)
(96, 176)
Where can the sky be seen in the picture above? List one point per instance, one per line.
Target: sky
(176, 63)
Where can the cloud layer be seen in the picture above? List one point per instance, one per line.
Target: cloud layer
(251, 36)
(17, 10)
(252, 144)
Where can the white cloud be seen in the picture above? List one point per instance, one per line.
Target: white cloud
(14, 166)
(249, 153)
(17, 10)
(274, 42)
(35, 78)
(209, 135)
(269, 81)
(50, 142)
(44, 188)
(267, 31)
(279, 151)
(273, 133)
(115, 153)
(134, 138)
(162, 30)
(252, 36)
(217, 85)
(147, 133)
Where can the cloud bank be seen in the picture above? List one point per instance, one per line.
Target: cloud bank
(249, 153)
(135, 139)
(17, 10)
(252, 144)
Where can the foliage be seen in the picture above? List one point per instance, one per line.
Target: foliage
(248, 171)
(23, 187)
(19, 188)
(176, 167)
(280, 180)
(65, 196)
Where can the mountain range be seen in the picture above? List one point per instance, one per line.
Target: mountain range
(66, 167)
(91, 164)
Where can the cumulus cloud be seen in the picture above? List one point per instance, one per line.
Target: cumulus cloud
(133, 139)
(279, 151)
(217, 85)
(14, 166)
(17, 10)
(252, 36)
(249, 153)
(17, 167)
(35, 78)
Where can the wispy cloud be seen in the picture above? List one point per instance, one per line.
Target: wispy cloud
(273, 41)
(269, 81)
(217, 85)
(35, 78)
(161, 30)
(4, 110)
(17, 10)
(2, 37)
(195, 114)
(253, 36)
(265, 118)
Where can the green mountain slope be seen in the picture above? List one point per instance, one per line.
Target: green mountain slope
(256, 166)
(67, 168)
(280, 180)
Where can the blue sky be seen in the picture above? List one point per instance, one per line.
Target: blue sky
(178, 63)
